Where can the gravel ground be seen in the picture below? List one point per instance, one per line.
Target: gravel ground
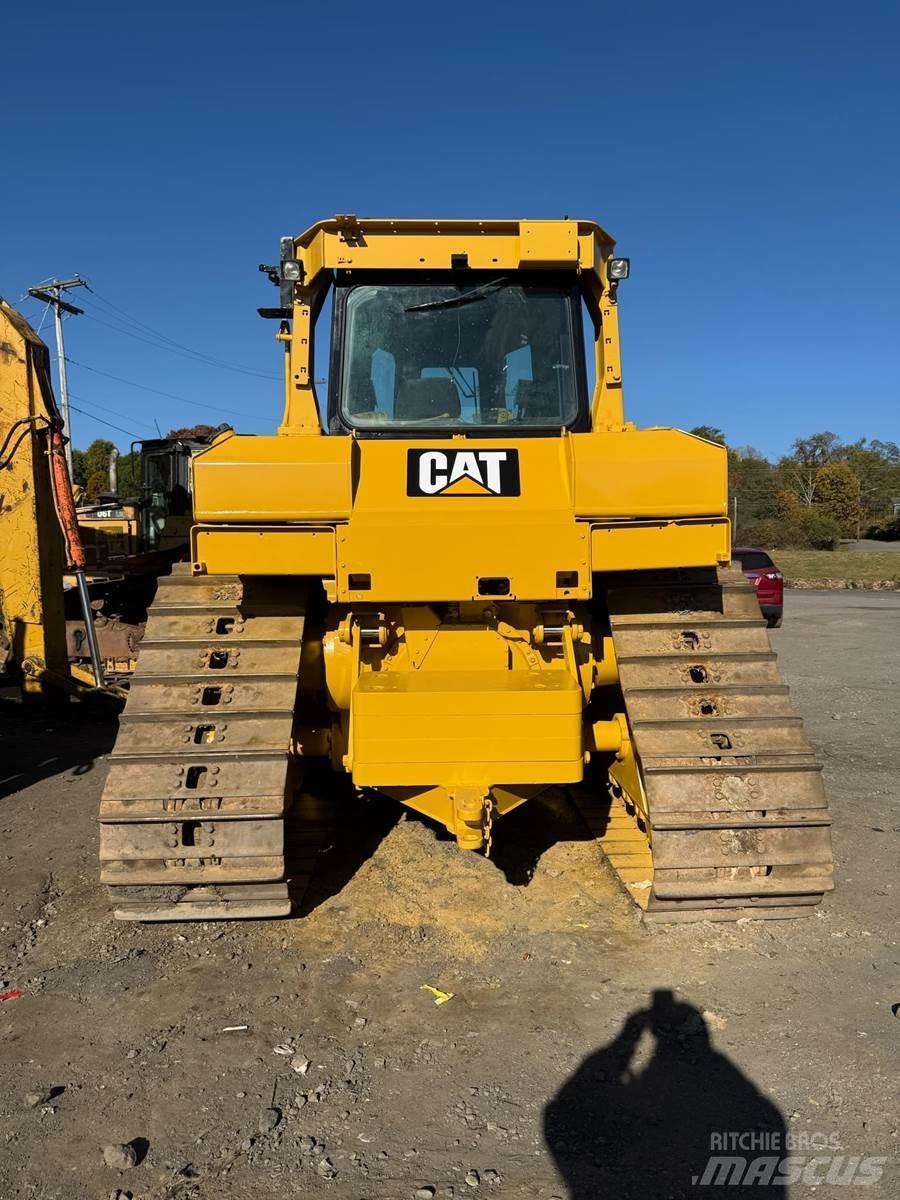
(581, 1055)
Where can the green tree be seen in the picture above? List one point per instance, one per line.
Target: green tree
(876, 466)
(96, 483)
(820, 532)
(97, 455)
(129, 472)
(750, 489)
(96, 463)
(822, 491)
(889, 451)
(710, 432)
(794, 525)
(79, 467)
(817, 450)
(782, 526)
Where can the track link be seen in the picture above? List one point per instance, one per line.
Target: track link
(733, 805)
(192, 819)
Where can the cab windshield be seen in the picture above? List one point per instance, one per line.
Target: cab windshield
(446, 356)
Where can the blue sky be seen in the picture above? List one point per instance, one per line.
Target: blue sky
(744, 156)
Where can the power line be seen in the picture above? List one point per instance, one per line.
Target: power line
(137, 437)
(212, 358)
(168, 395)
(161, 342)
(157, 345)
(43, 319)
(115, 412)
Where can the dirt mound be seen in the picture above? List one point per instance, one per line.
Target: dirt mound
(416, 886)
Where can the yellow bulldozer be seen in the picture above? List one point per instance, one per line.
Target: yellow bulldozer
(465, 579)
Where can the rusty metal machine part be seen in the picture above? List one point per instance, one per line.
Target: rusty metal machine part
(118, 640)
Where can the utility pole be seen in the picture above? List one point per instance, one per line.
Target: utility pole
(858, 508)
(51, 292)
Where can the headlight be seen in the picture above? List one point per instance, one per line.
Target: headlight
(292, 270)
(618, 268)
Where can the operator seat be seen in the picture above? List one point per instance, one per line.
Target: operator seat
(426, 399)
(536, 402)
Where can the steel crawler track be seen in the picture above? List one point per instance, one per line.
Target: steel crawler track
(734, 806)
(192, 819)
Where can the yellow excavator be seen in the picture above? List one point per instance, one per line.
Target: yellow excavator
(39, 534)
(465, 578)
(74, 582)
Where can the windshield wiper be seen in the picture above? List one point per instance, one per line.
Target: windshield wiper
(470, 297)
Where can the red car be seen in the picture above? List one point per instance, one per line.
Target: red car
(766, 578)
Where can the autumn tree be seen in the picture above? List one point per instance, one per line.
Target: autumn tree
(196, 432)
(838, 494)
(801, 468)
(788, 507)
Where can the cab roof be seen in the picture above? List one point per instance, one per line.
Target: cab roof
(348, 242)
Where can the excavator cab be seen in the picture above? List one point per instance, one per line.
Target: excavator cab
(118, 527)
(165, 500)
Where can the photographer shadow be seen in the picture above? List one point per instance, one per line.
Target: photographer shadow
(649, 1115)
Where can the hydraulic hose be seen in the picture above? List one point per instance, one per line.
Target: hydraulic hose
(65, 508)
